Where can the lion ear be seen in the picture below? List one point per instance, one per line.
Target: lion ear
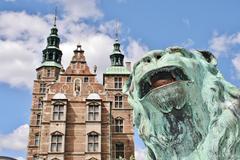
(209, 57)
(128, 86)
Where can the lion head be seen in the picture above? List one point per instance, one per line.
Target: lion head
(183, 107)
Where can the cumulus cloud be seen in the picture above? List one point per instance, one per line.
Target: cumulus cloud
(22, 45)
(222, 43)
(236, 64)
(17, 140)
(135, 50)
(77, 9)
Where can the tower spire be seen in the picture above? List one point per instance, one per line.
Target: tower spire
(55, 17)
(116, 30)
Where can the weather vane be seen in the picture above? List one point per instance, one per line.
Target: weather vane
(116, 29)
(55, 16)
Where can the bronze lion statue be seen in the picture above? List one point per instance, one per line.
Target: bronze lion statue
(183, 107)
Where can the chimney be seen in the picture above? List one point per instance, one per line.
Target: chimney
(128, 65)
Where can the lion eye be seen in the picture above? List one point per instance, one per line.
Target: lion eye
(147, 60)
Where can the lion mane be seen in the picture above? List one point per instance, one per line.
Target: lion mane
(183, 107)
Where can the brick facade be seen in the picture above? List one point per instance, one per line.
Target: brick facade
(73, 117)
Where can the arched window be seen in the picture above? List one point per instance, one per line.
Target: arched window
(56, 142)
(93, 142)
(119, 124)
(119, 150)
(118, 101)
(93, 158)
(77, 87)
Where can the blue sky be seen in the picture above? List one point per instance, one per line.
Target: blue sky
(144, 25)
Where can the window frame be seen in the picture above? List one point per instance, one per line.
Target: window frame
(118, 101)
(95, 143)
(37, 139)
(118, 82)
(38, 119)
(59, 112)
(95, 112)
(42, 87)
(57, 142)
(119, 152)
(119, 125)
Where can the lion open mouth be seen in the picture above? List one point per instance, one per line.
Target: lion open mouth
(160, 78)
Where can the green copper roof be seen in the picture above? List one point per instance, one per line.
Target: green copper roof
(117, 70)
(51, 64)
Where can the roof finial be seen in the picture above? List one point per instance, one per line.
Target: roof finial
(116, 29)
(55, 17)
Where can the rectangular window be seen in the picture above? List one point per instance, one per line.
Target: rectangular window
(58, 112)
(118, 101)
(56, 143)
(93, 142)
(119, 150)
(93, 112)
(48, 73)
(69, 79)
(38, 120)
(118, 82)
(85, 79)
(42, 88)
(36, 140)
(119, 125)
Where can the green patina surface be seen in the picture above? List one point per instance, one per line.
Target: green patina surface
(51, 64)
(117, 70)
(183, 107)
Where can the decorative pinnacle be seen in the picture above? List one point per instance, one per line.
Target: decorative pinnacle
(116, 30)
(55, 17)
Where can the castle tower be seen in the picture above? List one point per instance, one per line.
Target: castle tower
(47, 73)
(122, 145)
(73, 116)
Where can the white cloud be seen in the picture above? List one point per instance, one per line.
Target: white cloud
(17, 140)
(135, 50)
(236, 64)
(22, 44)
(221, 44)
(140, 154)
(77, 9)
(20, 158)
